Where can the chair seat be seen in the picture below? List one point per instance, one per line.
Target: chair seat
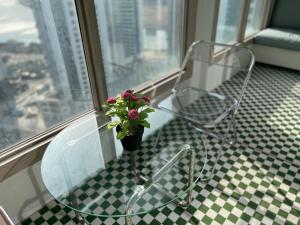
(201, 107)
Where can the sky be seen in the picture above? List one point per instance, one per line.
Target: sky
(17, 22)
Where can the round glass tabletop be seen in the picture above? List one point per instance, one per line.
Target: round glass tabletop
(85, 167)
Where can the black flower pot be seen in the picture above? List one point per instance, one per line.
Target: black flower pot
(132, 142)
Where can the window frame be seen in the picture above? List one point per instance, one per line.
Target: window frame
(264, 20)
(242, 39)
(29, 151)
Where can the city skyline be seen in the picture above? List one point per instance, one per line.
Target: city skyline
(44, 65)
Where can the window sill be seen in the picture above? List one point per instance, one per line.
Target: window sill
(221, 53)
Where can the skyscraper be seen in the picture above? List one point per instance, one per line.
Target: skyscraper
(9, 124)
(139, 39)
(60, 36)
(120, 24)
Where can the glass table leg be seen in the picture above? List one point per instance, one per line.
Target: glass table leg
(138, 178)
(128, 220)
(141, 189)
(80, 219)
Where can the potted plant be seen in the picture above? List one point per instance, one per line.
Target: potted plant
(131, 110)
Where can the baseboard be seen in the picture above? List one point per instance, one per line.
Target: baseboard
(277, 56)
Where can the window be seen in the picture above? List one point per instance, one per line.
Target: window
(41, 84)
(42, 79)
(140, 40)
(229, 20)
(255, 16)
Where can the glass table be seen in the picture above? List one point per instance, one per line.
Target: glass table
(86, 169)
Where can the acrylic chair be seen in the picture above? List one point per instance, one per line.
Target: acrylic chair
(204, 110)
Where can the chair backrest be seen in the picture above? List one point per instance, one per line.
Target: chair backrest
(214, 58)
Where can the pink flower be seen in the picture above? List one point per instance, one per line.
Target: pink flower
(146, 99)
(126, 93)
(133, 98)
(111, 100)
(133, 114)
(129, 91)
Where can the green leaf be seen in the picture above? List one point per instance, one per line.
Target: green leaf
(110, 113)
(145, 123)
(112, 124)
(148, 110)
(143, 115)
(121, 134)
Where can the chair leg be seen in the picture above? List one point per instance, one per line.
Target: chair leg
(234, 130)
(212, 171)
(231, 126)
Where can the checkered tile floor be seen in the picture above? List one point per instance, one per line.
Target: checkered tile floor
(257, 179)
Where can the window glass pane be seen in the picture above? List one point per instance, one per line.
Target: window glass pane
(43, 75)
(255, 16)
(229, 20)
(140, 39)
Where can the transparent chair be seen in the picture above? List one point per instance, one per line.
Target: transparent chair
(205, 110)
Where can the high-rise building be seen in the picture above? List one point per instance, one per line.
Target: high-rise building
(59, 34)
(48, 40)
(3, 71)
(69, 37)
(120, 25)
(139, 39)
(9, 123)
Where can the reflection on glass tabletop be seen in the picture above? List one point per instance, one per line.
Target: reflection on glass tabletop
(86, 169)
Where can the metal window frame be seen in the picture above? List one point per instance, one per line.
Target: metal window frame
(29, 151)
(91, 42)
(264, 20)
(243, 21)
(215, 20)
(242, 39)
(241, 27)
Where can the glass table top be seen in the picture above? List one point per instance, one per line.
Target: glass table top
(85, 167)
